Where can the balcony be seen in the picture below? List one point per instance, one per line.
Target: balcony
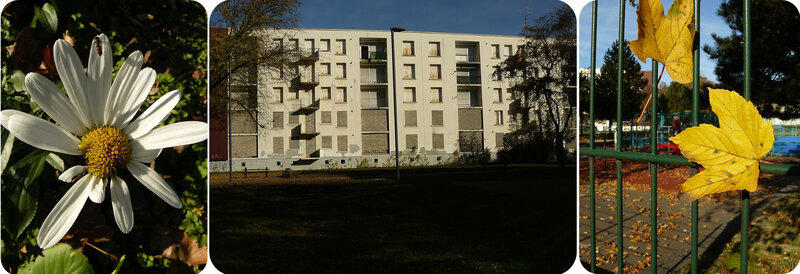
(468, 58)
(309, 55)
(307, 81)
(374, 82)
(468, 80)
(374, 57)
(306, 105)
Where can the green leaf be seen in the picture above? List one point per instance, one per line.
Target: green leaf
(55, 161)
(17, 80)
(47, 17)
(62, 259)
(6, 153)
(20, 193)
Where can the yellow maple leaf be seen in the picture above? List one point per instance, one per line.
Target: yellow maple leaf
(666, 38)
(729, 153)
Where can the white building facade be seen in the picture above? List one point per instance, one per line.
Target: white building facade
(337, 111)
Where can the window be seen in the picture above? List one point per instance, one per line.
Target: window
(341, 95)
(495, 51)
(327, 142)
(325, 69)
(437, 118)
(325, 117)
(408, 48)
(507, 51)
(277, 145)
(496, 76)
(411, 141)
(340, 47)
(341, 118)
(408, 71)
(326, 93)
(498, 95)
(433, 49)
(373, 98)
(341, 143)
(411, 118)
(410, 95)
(509, 94)
(373, 74)
(294, 44)
(498, 117)
(341, 70)
(294, 94)
(498, 139)
(436, 95)
(308, 44)
(436, 72)
(294, 119)
(438, 141)
(469, 98)
(325, 45)
(277, 95)
(466, 53)
(277, 119)
(278, 42)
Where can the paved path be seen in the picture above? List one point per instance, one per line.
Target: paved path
(717, 222)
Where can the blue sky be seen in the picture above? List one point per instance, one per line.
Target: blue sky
(486, 17)
(608, 32)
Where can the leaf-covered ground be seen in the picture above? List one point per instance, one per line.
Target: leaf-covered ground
(456, 220)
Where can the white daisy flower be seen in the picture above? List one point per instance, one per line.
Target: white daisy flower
(95, 119)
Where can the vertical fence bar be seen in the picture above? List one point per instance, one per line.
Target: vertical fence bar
(745, 193)
(591, 140)
(620, 42)
(654, 172)
(695, 122)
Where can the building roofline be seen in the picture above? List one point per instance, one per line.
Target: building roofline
(414, 31)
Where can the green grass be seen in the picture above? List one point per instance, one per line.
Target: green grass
(519, 219)
(774, 240)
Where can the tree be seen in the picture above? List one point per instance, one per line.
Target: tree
(775, 75)
(676, 98)
(545, 67)
(633, 82)
(239, 29)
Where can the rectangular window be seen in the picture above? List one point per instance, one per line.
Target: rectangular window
(325, 44)
(341, 70)
(294, 44)
(466, 53)
(437, 118)
(327, 142)
(495, 51)
(341, 95)
(411, 118)
(469, 98)
(408, 48)
(433, 49)
(436, 95)
(410, 95)
(278, 42)
(436, 72)
(277, 145)
(277, 95)
(373, 98)
(294, 144)
(308, 45)
(498, 117)
(496, 76)
(325, 117)
(325, 69)
(411, 141)
(408, 71)
(373, 74)
(509, 94)
(277, 119)
(498, 95)
(508, 51)
(294, 94)
(340, 47)
(341, 118)
(341, 143)
(438, 141)
(294, 119)
(326, 93)
(498, 139)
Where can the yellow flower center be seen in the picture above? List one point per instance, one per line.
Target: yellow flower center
(105, 149)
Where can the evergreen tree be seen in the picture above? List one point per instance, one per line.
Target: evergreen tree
(606, 85)
(775, 53)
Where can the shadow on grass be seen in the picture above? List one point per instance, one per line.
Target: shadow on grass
(479, 220)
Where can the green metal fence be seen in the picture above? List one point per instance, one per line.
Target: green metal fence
(652, 157)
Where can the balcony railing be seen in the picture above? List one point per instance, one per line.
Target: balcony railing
(309, 54)
(467, 58)
(365, 81)
(468, 80)
(374, 56)
(307, 80)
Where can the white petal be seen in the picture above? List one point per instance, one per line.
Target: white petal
(54, 102)
(150, 179)
(98, 186)
(63, 214)
(121, 203)
(40, 133)
(154, 115)
(71, 173)
(73, 77)
(138, 153)
(119, 94)
(99, 76)
(139, 92)
(176, 134)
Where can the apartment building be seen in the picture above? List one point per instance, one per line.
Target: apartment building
(337, 109)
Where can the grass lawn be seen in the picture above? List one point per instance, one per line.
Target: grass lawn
(456, 220)
(774, 240)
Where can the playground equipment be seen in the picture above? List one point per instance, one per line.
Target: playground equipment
(638, 136)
